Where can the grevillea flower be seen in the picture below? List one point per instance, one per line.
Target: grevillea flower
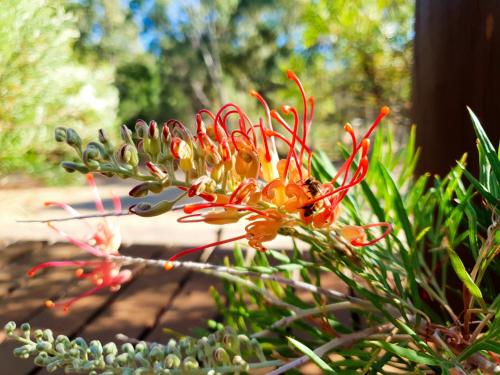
(241, 175)
(103, 240)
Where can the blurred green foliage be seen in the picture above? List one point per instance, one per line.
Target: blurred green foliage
(42, 85)
(170, 59)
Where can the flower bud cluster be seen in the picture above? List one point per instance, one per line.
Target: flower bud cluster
(232, 162)
(224, 348)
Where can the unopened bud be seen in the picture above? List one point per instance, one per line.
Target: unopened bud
(220, 355)
(126, 134)
(156, 171)
(90, 156)
(127, 154)
(165, 132)
(41, 359)
(102, 137)
(172, 361)
(72, 167)
(60, 134)
(141, 129)
(156, 353)
(239, 361)
(96, 348)
(43, 346)
(10, 327)
(72, 138)
(153, 131)
(190, 363)
(110, 348)
(147, 209)
(143, 189)
(23, 351)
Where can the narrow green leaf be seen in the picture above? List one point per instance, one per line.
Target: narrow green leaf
(401, 212)
(480, 345)
(463, 275)
(279, 256)
(407, 353)
(289, 267)
(314, 357)
(480, 187)
(375, 206)
(489, 150)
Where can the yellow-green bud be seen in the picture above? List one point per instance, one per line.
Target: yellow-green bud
(172, 361)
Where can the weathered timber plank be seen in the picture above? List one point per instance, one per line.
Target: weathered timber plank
(60, 322)
(136, 309)
(191, 308)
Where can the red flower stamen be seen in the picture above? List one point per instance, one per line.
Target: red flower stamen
(70, 263)
(245, 188)
(200, 248)
(357, 242)
(206, 196)
(285, 125)
(293, 77)
(360, 174)
(81, 244)
(98, 202)
(291, 152)
(264, 140)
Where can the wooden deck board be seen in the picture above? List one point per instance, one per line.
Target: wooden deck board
(155, 306)
(134, 310)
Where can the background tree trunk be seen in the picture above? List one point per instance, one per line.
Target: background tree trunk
(457, 63)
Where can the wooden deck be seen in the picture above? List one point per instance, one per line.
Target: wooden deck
(143, 308)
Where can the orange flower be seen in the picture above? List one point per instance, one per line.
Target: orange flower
(251, 181)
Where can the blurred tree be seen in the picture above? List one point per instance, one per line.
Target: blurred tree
(43, 86)
(109, 32)
(359, 55)
(213, 51)
(138, 83)
(356, 55)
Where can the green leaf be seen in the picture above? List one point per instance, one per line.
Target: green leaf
(486, 144)
(282, 257)
(401, 212)
(377, 209)
(407, 353)
(480, 187)
(480, 345)
(289, 267)
(314, 357)
(322, 167)
(464, 276)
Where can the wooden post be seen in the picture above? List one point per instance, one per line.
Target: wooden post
(457, 63)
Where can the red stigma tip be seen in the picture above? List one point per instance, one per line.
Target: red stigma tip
(31, 273)
(290, 74)
(385, 110)
(168, 265)
(285, 108)
(348, 128)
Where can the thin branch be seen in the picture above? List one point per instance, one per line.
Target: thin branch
(287, 320)
(215, 269)
(335, 343)
(80, 217)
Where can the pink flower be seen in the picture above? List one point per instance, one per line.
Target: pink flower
(103, 240)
